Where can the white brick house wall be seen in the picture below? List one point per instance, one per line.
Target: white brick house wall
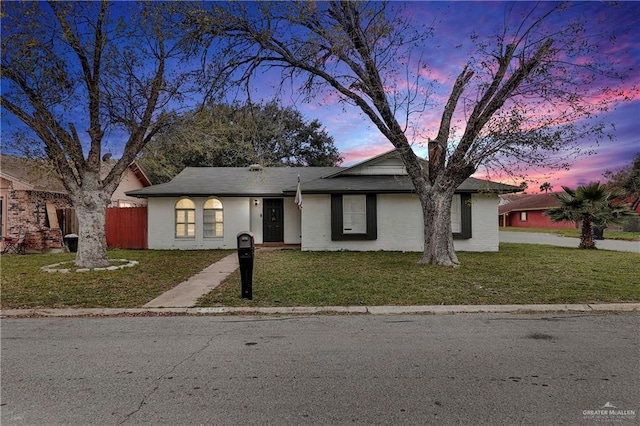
(399, 225)
(240, 214)
(161, 224)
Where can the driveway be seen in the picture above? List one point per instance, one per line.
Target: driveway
(555, 240)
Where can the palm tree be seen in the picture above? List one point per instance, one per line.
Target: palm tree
(546, 187)
(590, 205)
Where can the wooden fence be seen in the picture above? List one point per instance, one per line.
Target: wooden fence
(67, 221)
(127, 227)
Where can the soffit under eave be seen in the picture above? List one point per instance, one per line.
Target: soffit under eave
(140, 174)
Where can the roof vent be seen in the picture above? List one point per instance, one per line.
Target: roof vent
(255, 168)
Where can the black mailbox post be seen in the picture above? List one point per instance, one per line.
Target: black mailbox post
(246, 250)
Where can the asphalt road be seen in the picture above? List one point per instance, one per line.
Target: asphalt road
(475, 369)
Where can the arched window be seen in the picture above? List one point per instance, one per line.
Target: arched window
(213, 218)
(185, 218)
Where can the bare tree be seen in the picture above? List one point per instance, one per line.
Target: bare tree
(70, 66)
(520, 97)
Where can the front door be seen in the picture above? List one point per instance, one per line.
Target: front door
(273, 220)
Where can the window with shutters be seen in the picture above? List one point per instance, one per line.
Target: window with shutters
(461, 216)
(353, 217)
(456, 219)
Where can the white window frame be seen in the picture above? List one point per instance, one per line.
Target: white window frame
(354, 214)
(213, 228)
(456, 214)
(185, 219)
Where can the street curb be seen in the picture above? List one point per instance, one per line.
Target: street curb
(371, 310)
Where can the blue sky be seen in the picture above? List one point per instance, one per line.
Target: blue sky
(357, 138)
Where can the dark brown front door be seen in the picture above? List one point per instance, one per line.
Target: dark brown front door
(273, 220)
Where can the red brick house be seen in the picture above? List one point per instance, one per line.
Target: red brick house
(527, 211)
(32, 198)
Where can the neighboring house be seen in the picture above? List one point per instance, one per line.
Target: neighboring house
(132, 178)
(370, 206)
(528, 211)
(33, 198)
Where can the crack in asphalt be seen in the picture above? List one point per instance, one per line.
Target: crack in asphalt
(192, 354)
(553, 319)
(267, 319)
(167, 373)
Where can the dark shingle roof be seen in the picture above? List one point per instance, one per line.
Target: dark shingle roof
(233, 181)
(278, 181)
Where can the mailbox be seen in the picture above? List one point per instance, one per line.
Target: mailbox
(246, 250)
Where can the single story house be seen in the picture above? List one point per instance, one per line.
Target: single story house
(528, 211)
(33, 199)
(369, 206)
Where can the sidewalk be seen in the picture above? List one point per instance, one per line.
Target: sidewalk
(313, 310)
(555, 240)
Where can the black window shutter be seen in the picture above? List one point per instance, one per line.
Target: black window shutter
(337, 217)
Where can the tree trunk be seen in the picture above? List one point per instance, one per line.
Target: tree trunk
(586, 236)
(438, 239)
(91, 209)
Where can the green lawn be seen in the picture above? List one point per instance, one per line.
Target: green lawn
(519, 273)
(25, 285)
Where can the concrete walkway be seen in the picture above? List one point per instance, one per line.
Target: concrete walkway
(187, 293)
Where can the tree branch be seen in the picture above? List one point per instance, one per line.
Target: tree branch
(489, 105)
(438, 147)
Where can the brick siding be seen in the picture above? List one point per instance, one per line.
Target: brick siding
(28, 210)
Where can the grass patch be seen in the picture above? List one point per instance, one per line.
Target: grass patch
(575, 233)
(25, 285)
(519, 273)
